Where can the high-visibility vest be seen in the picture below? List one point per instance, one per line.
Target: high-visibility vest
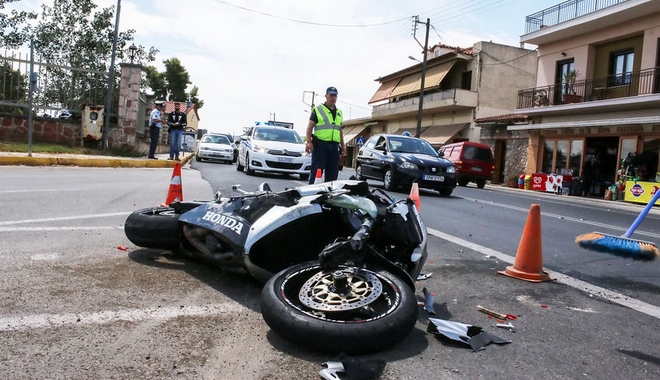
(326, 128)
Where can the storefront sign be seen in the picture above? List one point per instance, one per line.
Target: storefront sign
(641, 192)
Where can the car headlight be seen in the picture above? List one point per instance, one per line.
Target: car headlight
(259, 148)
(451, 169)
(408, 165)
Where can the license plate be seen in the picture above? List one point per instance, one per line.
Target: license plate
(476, 168)
(438, 178)
(285, 159)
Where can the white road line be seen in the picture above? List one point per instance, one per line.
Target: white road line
(39, 229)
(6, 223)
(609, 295)
(104, 317)
(567, 218)
(21, 191)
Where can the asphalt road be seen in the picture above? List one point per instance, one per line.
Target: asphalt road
(76, 305)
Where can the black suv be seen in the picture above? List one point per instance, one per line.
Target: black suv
(399, 161)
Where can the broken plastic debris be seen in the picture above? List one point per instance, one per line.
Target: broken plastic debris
(428, 301)
(424, 276)
(474, 336)
(121, 247)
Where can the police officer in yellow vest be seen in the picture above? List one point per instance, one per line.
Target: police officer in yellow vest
(327, 142)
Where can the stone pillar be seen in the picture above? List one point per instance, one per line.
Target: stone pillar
(127, 113)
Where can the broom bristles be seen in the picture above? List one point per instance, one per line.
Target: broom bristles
(619, 246)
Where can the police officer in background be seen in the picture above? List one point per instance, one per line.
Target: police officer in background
(155, 125)
(326, 143)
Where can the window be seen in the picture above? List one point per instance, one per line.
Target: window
(563, 68)
(466, 80)
(556, 158)
(622, 67)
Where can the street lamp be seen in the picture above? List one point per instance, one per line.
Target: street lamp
(414, 59)
(132, 52)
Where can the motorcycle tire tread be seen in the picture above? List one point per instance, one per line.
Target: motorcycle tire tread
(156, 227)
(332, 337)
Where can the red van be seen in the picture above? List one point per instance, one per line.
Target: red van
(473, 162)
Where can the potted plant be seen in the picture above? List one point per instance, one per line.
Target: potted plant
(512, 181)
(569, 95)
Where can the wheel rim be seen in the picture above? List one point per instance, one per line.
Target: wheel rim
(322, 292)
(387, 179)
(358, 172)
(310, 290)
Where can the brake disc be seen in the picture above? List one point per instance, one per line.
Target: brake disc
(340, 290)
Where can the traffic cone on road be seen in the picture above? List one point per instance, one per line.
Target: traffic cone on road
(175, 192)
(319, 176)
(528, 265)
(414, 195)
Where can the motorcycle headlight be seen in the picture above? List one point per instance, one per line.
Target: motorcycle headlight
(408, 165)
(451, 169)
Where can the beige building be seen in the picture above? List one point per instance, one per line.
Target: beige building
(591, 121)
(460, 85)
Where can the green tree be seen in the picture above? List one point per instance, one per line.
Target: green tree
(12, 34)
(172, 83)
(13, 89)
(72, 33)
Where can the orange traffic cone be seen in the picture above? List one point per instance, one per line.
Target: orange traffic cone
(175, 192)
(319, 176)
(414, 195)
(528, 265)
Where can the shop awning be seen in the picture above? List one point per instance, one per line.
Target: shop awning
(351, 132)
(405, 85)
(588, 123)
(384, 91)
(434, 76)
(440, 134)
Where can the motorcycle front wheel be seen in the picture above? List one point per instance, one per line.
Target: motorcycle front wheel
(348, 310)
(156, 227)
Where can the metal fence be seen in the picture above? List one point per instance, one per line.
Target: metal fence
(58, 87)
(565, 11)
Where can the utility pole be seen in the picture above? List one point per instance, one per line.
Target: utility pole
(111, 81)
(313, 96)
(421, 90)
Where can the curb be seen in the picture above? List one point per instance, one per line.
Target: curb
(111, 162)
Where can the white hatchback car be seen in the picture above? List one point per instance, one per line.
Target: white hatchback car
(273, 149)
(214, 146)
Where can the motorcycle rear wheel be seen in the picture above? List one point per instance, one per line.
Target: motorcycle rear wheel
(379, 311)
(156, 227)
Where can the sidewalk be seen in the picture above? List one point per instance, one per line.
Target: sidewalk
(84, 160)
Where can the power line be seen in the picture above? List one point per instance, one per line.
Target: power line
(308, 22)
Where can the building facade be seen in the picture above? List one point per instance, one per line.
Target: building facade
(596, 100)
(460, 86)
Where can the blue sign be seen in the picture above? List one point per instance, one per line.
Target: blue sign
(359, 141)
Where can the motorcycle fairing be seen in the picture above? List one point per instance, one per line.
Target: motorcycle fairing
(220, 218)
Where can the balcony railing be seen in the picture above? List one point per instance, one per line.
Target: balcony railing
(565, 11)
(610, 87)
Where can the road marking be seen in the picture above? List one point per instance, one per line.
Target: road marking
(609, 295)
(104, 317)
(38, 229)
(63, 218)
(38, 190)
(567, 218)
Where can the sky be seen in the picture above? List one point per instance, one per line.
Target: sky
(260, 60)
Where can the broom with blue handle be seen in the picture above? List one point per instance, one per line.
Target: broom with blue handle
(623, 245)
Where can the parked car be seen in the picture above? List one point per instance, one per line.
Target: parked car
(273, 149)
(65, 114)
(399, 161)
(233, 144)
(215, 146)
(473, 161)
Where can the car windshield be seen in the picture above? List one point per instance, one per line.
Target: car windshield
(216, 139)
(277, 134)
(410, 145)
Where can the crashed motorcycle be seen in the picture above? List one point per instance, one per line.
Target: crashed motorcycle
(338, 259)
